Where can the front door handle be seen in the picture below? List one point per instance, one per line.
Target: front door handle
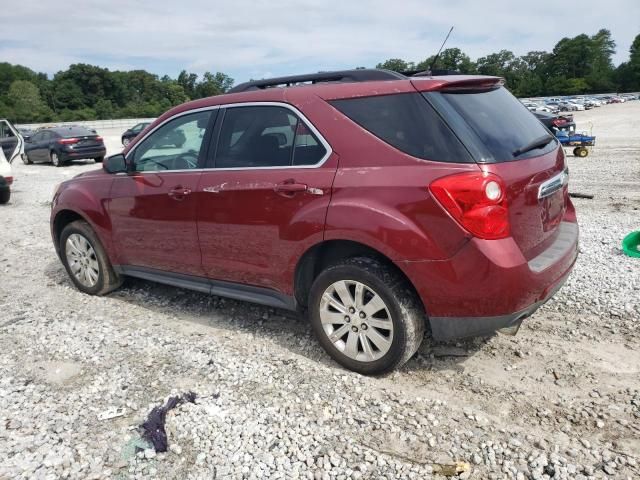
(178, 193)
(289, 188)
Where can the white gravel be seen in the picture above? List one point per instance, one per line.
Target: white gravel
(78, 374)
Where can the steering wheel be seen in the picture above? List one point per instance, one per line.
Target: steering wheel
(190, 158)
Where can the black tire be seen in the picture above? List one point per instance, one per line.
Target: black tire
(99, 159)
(125, 142)
(55, 160)
(407, 314)
(5, 195)
(26, 160)
(108, 280)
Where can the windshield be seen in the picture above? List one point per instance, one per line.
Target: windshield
(495, 121)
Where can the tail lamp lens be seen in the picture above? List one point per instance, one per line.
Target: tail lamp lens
(477, 201)
(8, 180)
(67, 141)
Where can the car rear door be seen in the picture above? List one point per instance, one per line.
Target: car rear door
(263, 199)
(153, 208)
(11, 141)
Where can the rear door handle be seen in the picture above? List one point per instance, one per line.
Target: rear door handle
(178, 193)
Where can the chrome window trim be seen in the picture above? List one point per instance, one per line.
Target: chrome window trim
(288, 106)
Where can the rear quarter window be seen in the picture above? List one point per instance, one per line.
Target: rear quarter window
(407, 122)
(500, 123)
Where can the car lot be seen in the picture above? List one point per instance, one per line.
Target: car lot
(562, 397)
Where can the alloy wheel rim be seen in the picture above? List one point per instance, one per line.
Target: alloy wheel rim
(82, 260)
(356, 320)
(125, 142)
(54, 159)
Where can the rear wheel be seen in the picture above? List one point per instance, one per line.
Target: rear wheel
(25, 159)
(55, 159)
(365, 316)
(86, 261)
(99, 159)
(5, 195)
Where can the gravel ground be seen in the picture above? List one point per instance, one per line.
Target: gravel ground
(559, 400)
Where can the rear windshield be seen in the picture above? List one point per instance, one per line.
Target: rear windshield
(67, 132)
(407, 122)
(499, 122)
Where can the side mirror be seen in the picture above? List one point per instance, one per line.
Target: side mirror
(115, 164)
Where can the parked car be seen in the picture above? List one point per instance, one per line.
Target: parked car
(6, 178)
(60, 145)
(132, 132)
(530, 106)
(11, 140)
(372, 201)
(551, 121)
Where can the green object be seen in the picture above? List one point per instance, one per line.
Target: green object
(631, 244)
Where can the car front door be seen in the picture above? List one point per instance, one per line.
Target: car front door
(264, 198)
(10, 141)
(153, 208)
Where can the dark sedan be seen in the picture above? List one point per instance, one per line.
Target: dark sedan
(133, 132)
(60, 145)
(560, 122)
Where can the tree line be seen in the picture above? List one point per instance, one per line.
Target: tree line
(578, 65)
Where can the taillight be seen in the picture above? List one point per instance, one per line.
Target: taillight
(8, 180)
(477, 201)
(67, 141)
(98, 139)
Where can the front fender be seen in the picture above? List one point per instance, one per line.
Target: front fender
(87, 198)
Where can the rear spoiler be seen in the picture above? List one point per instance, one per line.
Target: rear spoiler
(457, 83)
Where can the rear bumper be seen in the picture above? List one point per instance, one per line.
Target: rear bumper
(449, 328)
(83, 153)
(489, 284)
(5, 185)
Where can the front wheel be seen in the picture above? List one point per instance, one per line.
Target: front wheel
(86, 261)
(25, 159)
(366, 316)
(99, 159)
(581, 152)
(125, 142)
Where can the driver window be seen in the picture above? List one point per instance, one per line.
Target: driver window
(5, 131)
(174, 146)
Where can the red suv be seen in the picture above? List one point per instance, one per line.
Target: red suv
(382, 205)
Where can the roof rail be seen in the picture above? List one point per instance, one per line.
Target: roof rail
(347, 76)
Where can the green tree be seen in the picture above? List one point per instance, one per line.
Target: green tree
(396, 65)
(450, 59)
(24, 98)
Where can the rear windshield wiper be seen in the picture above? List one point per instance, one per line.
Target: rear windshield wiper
(537, 143)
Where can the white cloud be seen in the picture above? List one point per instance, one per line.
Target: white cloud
(252, 38)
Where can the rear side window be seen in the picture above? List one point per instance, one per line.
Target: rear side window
(266, 136)
(407, 122)
(501, 123)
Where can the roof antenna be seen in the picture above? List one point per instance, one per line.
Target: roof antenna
(435, 59)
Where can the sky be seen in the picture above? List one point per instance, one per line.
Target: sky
(261, 38)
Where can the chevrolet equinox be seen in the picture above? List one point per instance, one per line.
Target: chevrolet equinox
(381, 205)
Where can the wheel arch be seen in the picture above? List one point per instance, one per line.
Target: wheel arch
(329, 252)
(62, 219)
